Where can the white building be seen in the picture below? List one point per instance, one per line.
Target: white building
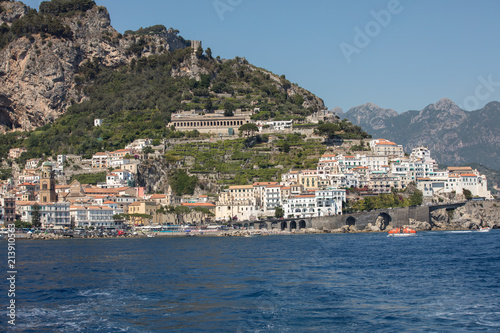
(32, 163)
(52, 215)
(456, 180)
(100, 160)
(94, 216)
(303, 205)
(272, 198)
(386, 148)
(118, 178)
(329, 201)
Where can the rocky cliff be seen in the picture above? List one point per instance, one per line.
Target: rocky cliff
(454, 136)
(37, 72)
(473, 215)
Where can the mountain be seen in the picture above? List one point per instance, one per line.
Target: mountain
(454, 136)
(42, 52)
(64, 65)
(48, 56)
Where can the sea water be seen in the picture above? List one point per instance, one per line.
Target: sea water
(435, 282)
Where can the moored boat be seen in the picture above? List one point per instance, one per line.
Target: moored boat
(485, 229)
(402, 232)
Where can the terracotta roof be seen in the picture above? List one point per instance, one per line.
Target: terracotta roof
(25, 203)
(304, 196)
(199, 204)
(264, 183)
(109, 202)
(158, 196)
(468, 175)
(384, 143)
(98, 191)
(467, 168)
(234, 187)
(98, 208)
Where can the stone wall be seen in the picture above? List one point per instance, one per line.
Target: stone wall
(386, 218)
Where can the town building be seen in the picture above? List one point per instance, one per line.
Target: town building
(47, 184)
(214, 123)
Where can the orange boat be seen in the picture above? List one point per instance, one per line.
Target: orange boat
(402, 232)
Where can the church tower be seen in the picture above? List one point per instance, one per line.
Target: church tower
(47, 184)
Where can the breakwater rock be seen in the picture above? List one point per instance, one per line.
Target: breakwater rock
(473, 215)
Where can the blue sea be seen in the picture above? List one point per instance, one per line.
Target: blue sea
(435, 282)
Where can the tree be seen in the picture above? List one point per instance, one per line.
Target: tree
(248, 128)
(181, 211)
(229, 109)
(35, 216)
(20, 224)
(209, 105)
(147, 150)
(286, 147)
(208, 51)
(467, 194)
(199, 52)
(416, 198)
(182, 183)
(279, 212)
(328, 129)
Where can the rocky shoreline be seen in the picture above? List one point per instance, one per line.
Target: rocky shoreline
(472, 216)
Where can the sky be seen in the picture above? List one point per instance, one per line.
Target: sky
(398, 54)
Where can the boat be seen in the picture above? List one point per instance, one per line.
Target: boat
(254, 234)
(150, 235)
(485, 229)
(402, 232)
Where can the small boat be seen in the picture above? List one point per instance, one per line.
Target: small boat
(485, 229)
(150, 235)
(254, 234)
(402, 232)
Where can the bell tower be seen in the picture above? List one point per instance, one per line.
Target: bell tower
(47, 184)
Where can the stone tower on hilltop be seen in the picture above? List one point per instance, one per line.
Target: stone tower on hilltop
(195, 44)
(47, 184)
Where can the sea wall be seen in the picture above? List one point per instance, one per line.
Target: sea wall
(384, 218)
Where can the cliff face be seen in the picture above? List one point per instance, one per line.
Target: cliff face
(471, 216)
(37, 74)
(454, 136)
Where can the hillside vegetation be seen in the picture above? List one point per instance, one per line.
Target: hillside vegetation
(136, 101)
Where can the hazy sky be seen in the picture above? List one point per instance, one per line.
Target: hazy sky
(401, 55)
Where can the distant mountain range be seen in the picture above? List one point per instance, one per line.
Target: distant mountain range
(454, 136)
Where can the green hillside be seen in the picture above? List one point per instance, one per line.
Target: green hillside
(136, 101)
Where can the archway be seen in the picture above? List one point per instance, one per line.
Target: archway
(245, 225)
(263, 225)
(284, 226)
(293, 225)
(302, 224)
(350, 221)
(383, 220)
